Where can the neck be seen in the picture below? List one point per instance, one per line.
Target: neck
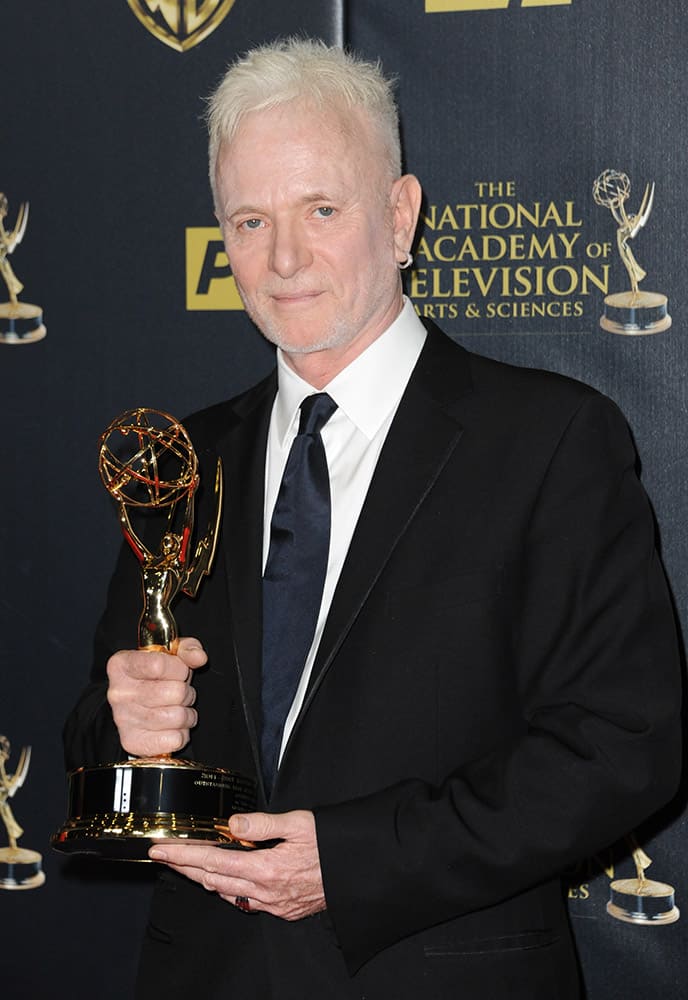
(318, 368)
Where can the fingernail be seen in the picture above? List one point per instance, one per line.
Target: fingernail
(240, 824)
(157, 854)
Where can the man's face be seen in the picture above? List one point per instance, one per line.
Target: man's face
(307, 212)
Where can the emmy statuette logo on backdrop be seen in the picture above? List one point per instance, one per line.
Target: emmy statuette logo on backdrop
(19, 868)
(148, 466)
(640, 900)
(20, 323)
(633, 312)
(181, 24)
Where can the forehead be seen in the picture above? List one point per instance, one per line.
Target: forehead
(297, 138)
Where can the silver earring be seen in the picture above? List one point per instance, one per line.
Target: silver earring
(406, 263)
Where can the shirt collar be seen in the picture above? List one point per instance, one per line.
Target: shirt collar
(369, 388)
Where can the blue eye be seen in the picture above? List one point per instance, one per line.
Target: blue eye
(325, 211)
(252, 223)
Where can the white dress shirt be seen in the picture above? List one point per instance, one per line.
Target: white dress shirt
(367, 393)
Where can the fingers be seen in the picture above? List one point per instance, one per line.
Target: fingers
(213, 868)
(284, 880)
(191, 695)
(152, 698)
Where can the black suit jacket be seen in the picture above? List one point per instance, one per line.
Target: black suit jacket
(495, 695)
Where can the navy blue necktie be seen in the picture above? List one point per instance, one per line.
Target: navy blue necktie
(294, 574)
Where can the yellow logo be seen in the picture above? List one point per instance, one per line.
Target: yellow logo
(209, 283)
(445, 6)
(181, 24)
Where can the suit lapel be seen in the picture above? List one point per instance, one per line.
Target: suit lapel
(422, 437)
(242, 450)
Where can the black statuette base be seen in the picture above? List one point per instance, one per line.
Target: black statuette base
(118, 811)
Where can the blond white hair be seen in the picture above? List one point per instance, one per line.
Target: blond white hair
(302, 69)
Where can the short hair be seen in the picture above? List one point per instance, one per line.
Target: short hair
(294, 69)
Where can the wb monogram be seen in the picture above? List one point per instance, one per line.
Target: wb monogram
(181, 24)
(445, 6)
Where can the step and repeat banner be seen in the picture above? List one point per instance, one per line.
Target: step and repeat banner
(549, 139)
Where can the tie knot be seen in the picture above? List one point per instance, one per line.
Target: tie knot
(316, 410)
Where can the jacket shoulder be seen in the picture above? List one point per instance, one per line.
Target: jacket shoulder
(510, 385)
(212, 422)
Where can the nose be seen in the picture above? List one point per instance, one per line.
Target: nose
(289, 251)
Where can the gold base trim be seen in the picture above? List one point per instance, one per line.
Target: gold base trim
(633, 918)
(21, 323)
(629, 330)
(128, 837)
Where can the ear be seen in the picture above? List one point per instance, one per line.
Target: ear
(405, 199)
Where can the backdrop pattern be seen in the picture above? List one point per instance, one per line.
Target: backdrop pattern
(511, 109)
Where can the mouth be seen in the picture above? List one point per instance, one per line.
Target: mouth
(294, 298)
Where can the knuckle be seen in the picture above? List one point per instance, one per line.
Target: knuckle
(161, 694)
(171, 716)
(209, 862)
(136, 743)
(168, 742)
(112, 667)
(114, 696)
(174, 692)
(154, 667)
(177, 717)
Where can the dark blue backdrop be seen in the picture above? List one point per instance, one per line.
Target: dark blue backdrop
(515, 109)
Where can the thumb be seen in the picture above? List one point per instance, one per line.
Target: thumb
(191, 652)
(259, 826)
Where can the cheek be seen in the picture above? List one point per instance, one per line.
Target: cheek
(354, 265)
(245, 269)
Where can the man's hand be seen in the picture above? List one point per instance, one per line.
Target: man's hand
(151, 697)
(284, 880)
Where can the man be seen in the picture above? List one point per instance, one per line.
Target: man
(489, 691)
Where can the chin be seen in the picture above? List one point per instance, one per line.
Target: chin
(297, 343)
(308, 348)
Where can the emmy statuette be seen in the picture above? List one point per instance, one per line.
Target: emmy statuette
(19, 868)
(20, 323)
(119, 810)
(632, 312)
(640, 900)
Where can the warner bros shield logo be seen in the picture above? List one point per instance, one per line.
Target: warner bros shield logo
(181, 24)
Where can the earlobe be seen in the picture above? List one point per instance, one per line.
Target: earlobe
(406, 196)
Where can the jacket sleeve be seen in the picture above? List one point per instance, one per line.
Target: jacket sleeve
(595, 648)
(90, 736)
